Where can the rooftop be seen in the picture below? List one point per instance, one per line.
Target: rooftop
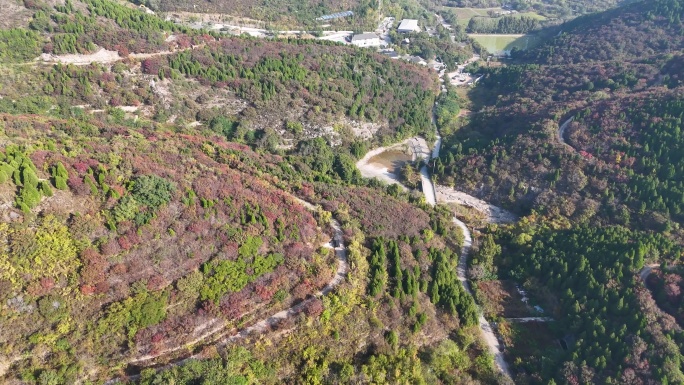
(336, 15)
(408, 25)
(364, 36)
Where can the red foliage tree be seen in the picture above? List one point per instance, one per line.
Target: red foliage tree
(265, 292)
(87, 289)
(156, 282)
(314, 308)
(124, 242)
(151, 66)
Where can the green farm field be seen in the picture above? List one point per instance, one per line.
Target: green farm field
(503, 44)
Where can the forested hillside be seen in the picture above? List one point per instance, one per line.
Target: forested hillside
(110, 235)
(322, 89)
(162, 200)
(582, 137)
(622, 99)
(613, 330)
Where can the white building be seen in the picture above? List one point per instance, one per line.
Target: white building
(367, 40)
(408, 25)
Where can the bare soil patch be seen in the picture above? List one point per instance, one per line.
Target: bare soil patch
(14, 14)
(505, 301)
(393, 160)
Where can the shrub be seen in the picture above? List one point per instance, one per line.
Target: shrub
(152, 191)
(60, 176)
(45, 189)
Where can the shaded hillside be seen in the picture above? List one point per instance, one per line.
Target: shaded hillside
(632, 32)
(666, 288)
(581, 135)
(588, 279)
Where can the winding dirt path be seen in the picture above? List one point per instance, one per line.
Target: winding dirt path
(266, 323)
(494, 213)
(103, 56)
(561, 131)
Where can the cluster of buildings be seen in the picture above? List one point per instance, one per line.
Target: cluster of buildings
(433, 64)
(372, 39)
(377, 40)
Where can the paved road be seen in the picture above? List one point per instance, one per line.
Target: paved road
(420, 148)
(435, 149)
(646, 271)
(461, 271)
(428, 188)
(430, 197)
(462, 268)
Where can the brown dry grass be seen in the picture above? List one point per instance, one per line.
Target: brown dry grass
(527, 339)
(504, 300)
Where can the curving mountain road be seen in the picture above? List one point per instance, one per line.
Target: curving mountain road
(646, 271)
(485, 326)
(462, 268)
(445, 194)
